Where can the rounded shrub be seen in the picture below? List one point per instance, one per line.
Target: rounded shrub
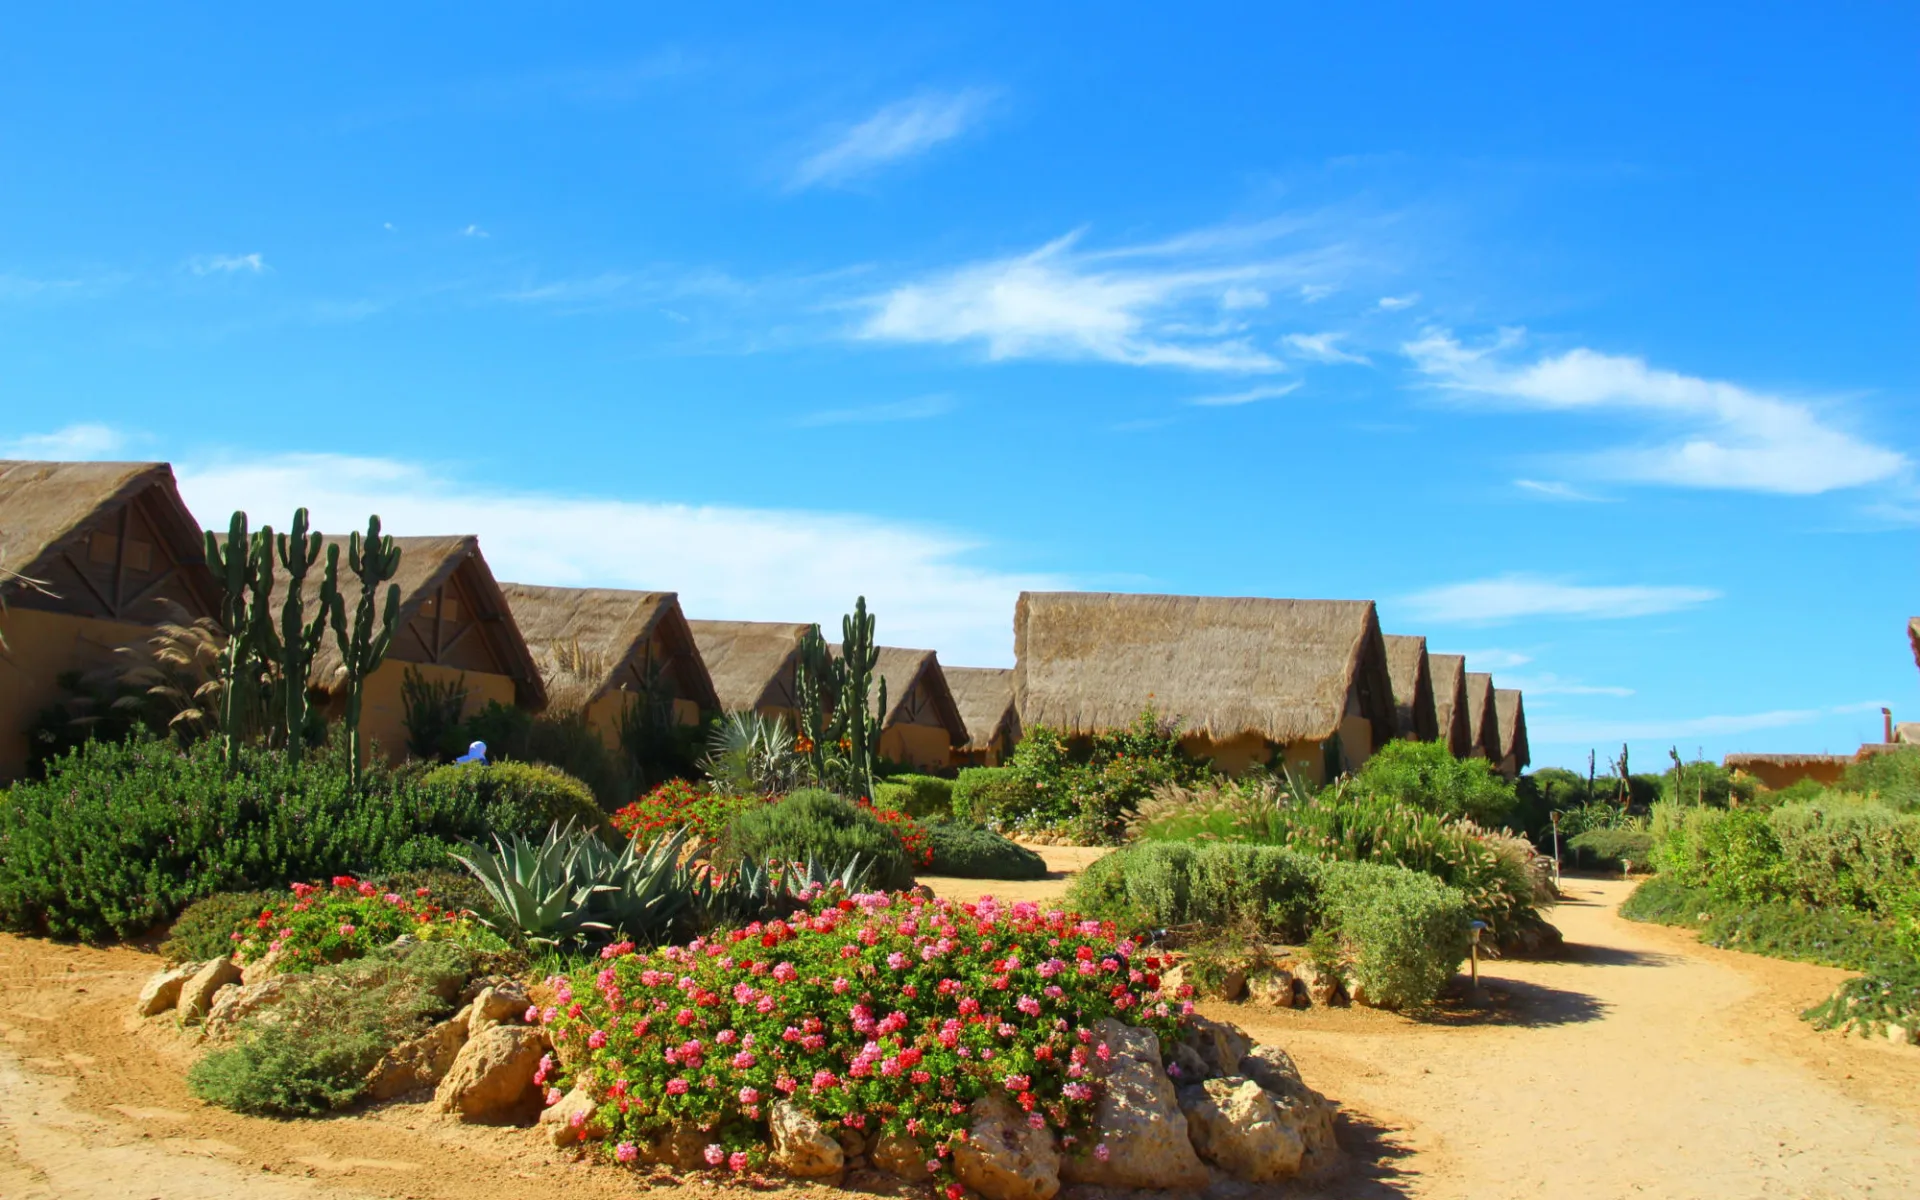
(991, 794)
(916, 795)
(969, 852)
(812, 824)
(517, 797)
(1427, 776)
(205, 928)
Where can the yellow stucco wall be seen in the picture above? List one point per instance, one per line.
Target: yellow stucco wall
(43, 645)
(1774, 776)
(925, 746)
(383, 715)
(1232, 755)
(1356, 738)
(603, 716)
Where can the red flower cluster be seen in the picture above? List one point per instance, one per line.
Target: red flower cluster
(678, 803)
(874, 1011)
(912, 834)
(327, 925)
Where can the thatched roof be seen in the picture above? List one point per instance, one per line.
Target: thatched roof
(1412, 687)
(750, 662)
(1511, 717)
(592, 641)
(1449, 673)
(917, 691)
(1913, 638)
(984, 696)
(1282, 669)
(47, 507)
(1734, 762)
(426, 563)
(1482, 721)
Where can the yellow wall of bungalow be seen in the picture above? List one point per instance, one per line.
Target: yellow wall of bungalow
(383, 714)
(45, 645)
(603, 715)
(928, 747)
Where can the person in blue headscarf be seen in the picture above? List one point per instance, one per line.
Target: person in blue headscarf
(476, 753)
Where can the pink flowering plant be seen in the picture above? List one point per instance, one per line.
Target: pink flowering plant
(874, 1012)
(320, 925)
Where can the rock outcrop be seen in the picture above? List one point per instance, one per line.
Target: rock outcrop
(492, 1075)
(567, 1121)
(1141, 1129)
(162, 992)
(1004, 1157)
(197, 994)
(1298, 1106)
(233, 1004)
(418, 1064)
(1234, 1126)
(802, 1147)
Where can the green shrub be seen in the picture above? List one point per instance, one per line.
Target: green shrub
(991, 794)
(1704, 782)
(1731, 852)
(1869, 1004)
(969, 852)
(205, 928)
(1426, 776)
(518, 796)
(1832, 936)
(310, 1053)
(1839, 851)
(1666, 900)
(1404, 932)
(121, 836)
(916, 795)
(1407, 932)
(1894, 777)
(1612, 849)
(818, 825)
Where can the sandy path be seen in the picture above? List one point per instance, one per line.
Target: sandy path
(1643, 1065)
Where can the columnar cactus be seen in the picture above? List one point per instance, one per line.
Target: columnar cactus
(859, 727)
(375, 560)
(813, 688)
(230, 563)
(298, 550)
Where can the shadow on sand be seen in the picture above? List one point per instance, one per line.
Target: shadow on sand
(1511, 1003)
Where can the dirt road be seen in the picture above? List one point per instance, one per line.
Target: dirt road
(1642, 1065)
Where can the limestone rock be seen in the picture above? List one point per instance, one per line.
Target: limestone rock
(420, 1063)
(801, 1146)
(1299, 1107)
(1185, 1065)
(493, 1072)
(566, 1122)
(1138, 1119)
(162, 992)
(1005, 1158)
(1898, 1035)
(232, 1004)
(1273, 989)
(504, 1003)
(902, 1157)
(1234, 1126)
(262, 968)
(1219, 1044)
(1234, 984)
(1323, 987)
(197, 993)
(853, 1142)
(682, 1147)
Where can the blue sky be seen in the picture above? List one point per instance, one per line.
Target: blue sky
(1583, 344)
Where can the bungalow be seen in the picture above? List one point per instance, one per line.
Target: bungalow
(751, 664)
(1412, 677)
(922, 726)
(1249, 680)
(984, 696)
(92, 557)
(600, 648)
(1450, 702)
(1483, 722)
(1511, 717)
(1776, 771)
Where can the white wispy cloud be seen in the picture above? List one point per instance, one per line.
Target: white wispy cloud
(920, 408)
(1653, 729)
(228, 264)
(474, 231)
(1396, 303)
(1556, 490)
(1739, 439)
(1549, 684)
(900, 130)
(1236, 298)
(1313, 293)
(1247, 396)
(1495, 660)
(72, 443)
(1321, 347)
(1510, 597)
(1146, 305)
(725, 562)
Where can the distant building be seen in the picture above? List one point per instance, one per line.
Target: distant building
(1483, 721)
(1412, 677)
(751, 664)
(1449, 672)
(984, 696)
(1511, 716)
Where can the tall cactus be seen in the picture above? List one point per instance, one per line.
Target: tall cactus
(375, 560)
(298, 550)
(230, 563)
(813, 693)
(859, 728)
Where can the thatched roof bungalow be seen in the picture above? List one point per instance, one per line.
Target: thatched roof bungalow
(984, 696)
(455, 626)
(1776, 771)
(1483, 721)
(922, 726)
(92, 557)
(1248, 679)
(1449, 673)
(599, 649)
(751, 664)
(1412, 677)
(1511, 717)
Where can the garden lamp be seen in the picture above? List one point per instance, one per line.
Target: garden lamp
(1478, 927)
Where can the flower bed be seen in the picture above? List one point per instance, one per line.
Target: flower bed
(322, 925)
(887, 1013)
(676, 804)
(912, 834)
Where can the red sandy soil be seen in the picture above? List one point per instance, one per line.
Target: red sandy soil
(1642, 1064)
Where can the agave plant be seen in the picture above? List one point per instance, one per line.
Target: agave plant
(751, 754)
(753, 891)
(570, 883)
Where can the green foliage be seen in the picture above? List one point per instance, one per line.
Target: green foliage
(516, 797)
(1612, 849)
(1426, 776)
(507, 729)
(1840, 851)
(1869, 1004)
(560, 888)
(812, 824)
(121, 836)
(655, 745)
(1402, 933)
(1703, 782)
(310, 1053)
(752, 755)
(970, 852)
(1407, 932)
(991, 795)
(431, 713)
(916, 795)
(858, 724)
(205, 928)
(375, 560)
(1894, 777)
(1835, 937)
(1093, 787)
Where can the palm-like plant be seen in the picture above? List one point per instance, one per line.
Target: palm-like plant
(750, 754)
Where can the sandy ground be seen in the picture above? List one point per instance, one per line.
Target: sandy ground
(1642, 1065)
